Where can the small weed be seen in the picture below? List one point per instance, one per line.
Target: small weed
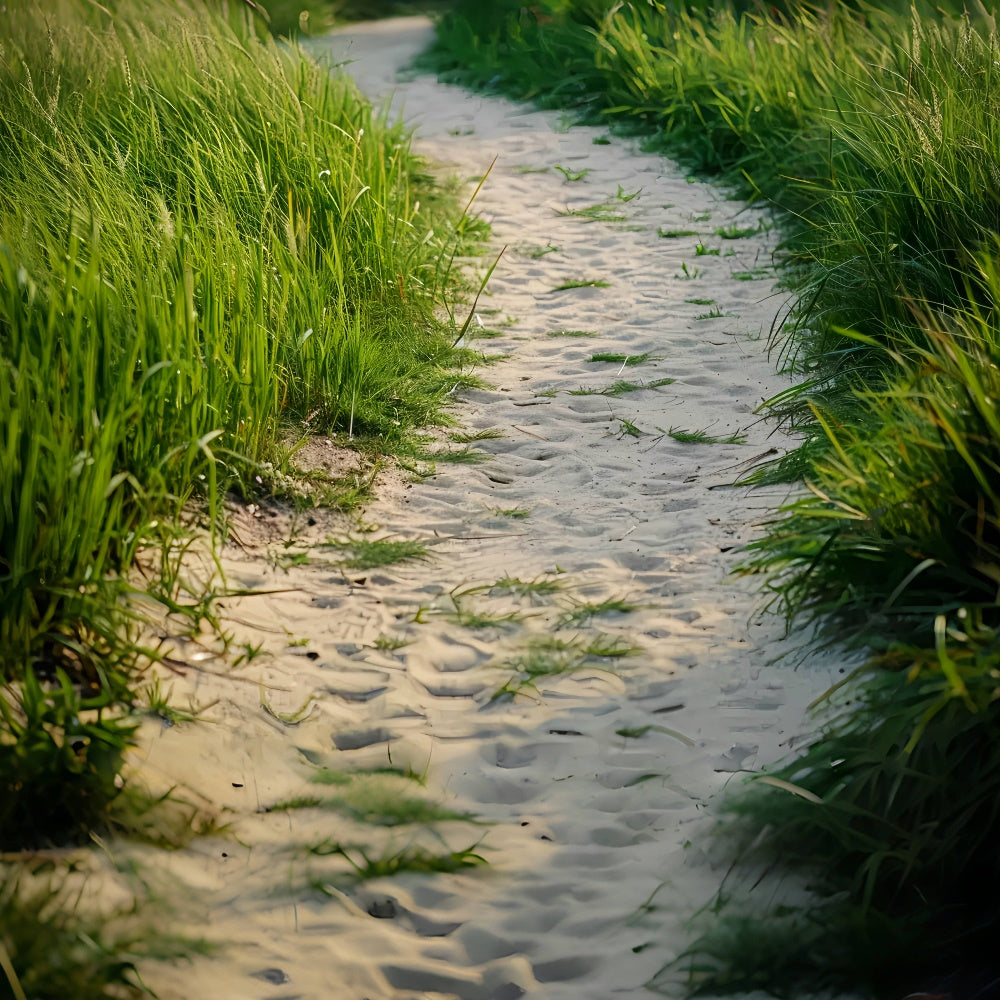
(525, 169)
(524, 588)
(601, 140)
(377, 803)
(573, 175)
(701, 302)
(370, 554)
(330, 776)
(622, 195)
(688, 274)
(637, 732)
(572, 333)
(701, 217)
(458, 456)
(607, 647)
(514, 513)
(390, 643)
(623, 387)
(583, 611)
(703, 437)
(734, 232)
(489, 434)
(627, 429)
(459, 614)
(391, 863)
(633, 732)
(602, 212)
(701, 250)
(673, 234)
(714, 313)
(537, 252)
(628, 360)
(757, 274)
(581, 283)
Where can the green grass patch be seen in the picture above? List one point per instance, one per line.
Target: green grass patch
(581, 283)
(573, 175)
(628, 360)
(623, 387)
(703, 437)
(602, 212)
(371, 553)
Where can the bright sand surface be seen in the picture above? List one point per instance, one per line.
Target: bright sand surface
(591, 787)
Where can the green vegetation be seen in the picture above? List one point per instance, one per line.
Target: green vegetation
(622, 387)
(53, 945)
(371, 553)
(207, 243)
(515, 513)
(582, 612)
(549, 656)
(873, 132)
(627, 360)
(581, 283)
(572, 175)
(703, 437)
(602, 212)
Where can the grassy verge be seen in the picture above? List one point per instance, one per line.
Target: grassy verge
(206, 243)
(874, 133)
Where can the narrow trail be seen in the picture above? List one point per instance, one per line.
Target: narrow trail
(590, 775)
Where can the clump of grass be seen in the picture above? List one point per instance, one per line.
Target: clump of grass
(526, 588)
(536, 253)
(390, 643)
(735, 232)
(377, 801)
(701, 250)
(370, 553)
(572, 333)
(703, 437)
(581, 283)
(583, 612)
(573, 175)
(628, 360)
(457, 611)
(673, 234)
(602, 212)
(365, 865)
(514, 513)
(623, 387)
(468, 437)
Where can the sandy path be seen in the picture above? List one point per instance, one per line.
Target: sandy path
(589, 811)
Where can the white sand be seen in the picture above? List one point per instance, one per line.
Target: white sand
(585, 824)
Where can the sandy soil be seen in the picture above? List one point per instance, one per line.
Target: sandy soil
(591, 786)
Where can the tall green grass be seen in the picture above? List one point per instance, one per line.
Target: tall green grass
(206, 242)
(874, 134)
